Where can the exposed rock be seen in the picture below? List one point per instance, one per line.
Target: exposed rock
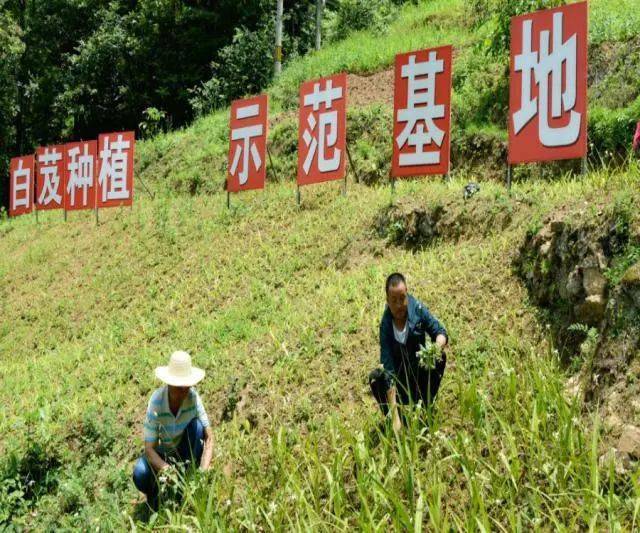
(415, 225)
(612, 423)
(630, 284)
(621, 461)
(563, 267)
(574, 388)
(591, 310)
(594, 283)
(629, 442)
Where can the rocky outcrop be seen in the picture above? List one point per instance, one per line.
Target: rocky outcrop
(416, 225)
(583, 271)
(563, 267)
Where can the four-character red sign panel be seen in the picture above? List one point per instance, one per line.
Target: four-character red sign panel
(21, 185)
(548, 98)
(248, 144)
(322, 133)
(50, 178)
(422, 112)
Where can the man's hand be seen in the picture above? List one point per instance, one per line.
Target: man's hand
(396, 423)
(167, 476)
(207, 452)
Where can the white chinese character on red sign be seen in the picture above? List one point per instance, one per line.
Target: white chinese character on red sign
(554, 70)
(421, 111)
(246, 135)
(114, 158)
(21, 185)
(248, 126)
(326, 135)
(81, 175)
(322, 130)
(48, 164)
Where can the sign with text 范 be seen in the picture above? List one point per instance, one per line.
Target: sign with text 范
(322, 133)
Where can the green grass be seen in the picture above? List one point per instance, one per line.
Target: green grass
(288, 300)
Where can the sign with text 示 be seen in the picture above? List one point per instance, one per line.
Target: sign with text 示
(248, 130)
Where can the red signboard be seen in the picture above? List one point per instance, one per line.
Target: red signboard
(322, 133)
(548, 94)
(422, 112)
(115, 169)
(80, 175)
(21, 185)
(50, 178)
(248, 144)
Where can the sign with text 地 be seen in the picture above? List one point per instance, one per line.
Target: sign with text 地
(548, 85)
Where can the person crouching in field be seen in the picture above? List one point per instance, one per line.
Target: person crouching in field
(176, 427)
(404, 378)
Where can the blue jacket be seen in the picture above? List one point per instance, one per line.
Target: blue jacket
(419, 323)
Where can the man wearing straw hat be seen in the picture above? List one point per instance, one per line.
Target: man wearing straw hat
(176, 427)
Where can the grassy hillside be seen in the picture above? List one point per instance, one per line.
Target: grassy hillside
(281, 306)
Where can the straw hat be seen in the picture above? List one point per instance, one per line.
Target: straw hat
(179, 371)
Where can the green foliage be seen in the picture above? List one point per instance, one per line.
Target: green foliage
(429, 355)
(283, 142)
(368, 135)
(243, 67)
(153, 123)
(613, 20)
(498, 14)
(611, 132)
(355, 15)
(626, 250)
(11, 49)
(588, 345)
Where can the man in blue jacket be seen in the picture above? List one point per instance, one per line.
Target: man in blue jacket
(403, 329)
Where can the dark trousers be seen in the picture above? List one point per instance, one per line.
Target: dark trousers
(190, 449)
(412, 383)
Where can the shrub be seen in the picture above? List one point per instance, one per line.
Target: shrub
(356, 15)
(243, 67)
(611, 132)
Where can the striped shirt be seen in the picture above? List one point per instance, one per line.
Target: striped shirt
(162, 427)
